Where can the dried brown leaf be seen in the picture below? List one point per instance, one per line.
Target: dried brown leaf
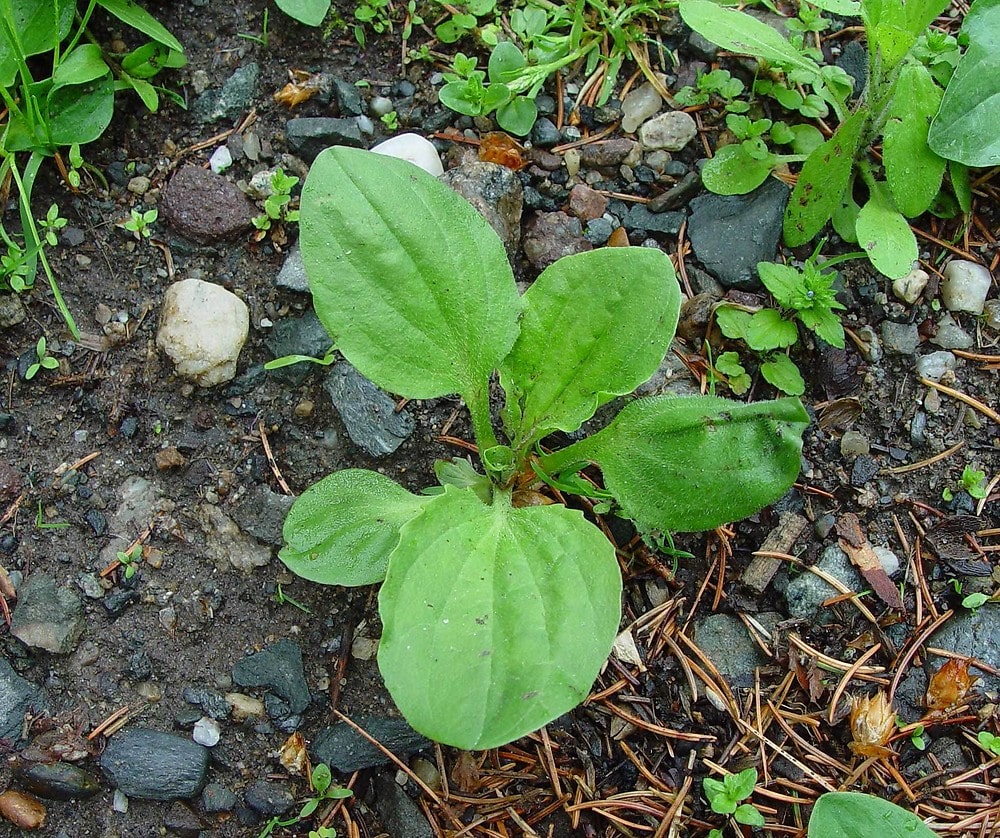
(949, 686)
(854, 542)
(293, 755)
(872, 724)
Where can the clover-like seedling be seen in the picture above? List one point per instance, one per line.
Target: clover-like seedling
(990, 741)
(140, 224)
(726, 797)
(519, 603)
(44, 362)
(130, 559)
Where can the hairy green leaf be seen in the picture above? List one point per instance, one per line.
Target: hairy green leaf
(781, 373)
(825, 324)
(732, 171)
(739, 32)
(130, 12)
(654, 455)
(824, 177)
(894, 26)
(913, 171)
(886, 236)
(849, 814)
(513, 611)
(733, 321)
(767, 329)
(569, 359)
(783, 281)
(422, 302)
(967, 127)
(341, 530)
(309, 12)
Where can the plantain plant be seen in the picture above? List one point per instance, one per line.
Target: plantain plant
(498, 613)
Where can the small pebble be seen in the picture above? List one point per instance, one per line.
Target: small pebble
(639, 105)
(304, 409)
(909, 288)
(381, 105)
(139, 185)
(991, 312)
(854, 444)
(206, 732)
(965, 286)
(221, 159)
(119, 802)
(935, 365)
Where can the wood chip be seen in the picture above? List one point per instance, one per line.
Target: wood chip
(854, 542)
(781, 539)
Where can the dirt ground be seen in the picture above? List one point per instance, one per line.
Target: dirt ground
(76, 437)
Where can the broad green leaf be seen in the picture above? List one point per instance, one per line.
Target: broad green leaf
(130, 12)
(734, 172)
(967, 127)
(85, 63)
(463, 475)
(505, 61)
(845, 216)
(410, 281)
(739, 32)
(518, 115)
(749, 815)
(740, 786)
(913, 171)
(886, 236)
(495, 620)
(893, 26)
(36, 26)
(781, 373)
(145, 91)
(767, 329)
(571, 358)
(79, 113)
(842, 8)
(849, 814)
(961, 185)
(822, 182)
(733, 321)
(825, 324)
(695, 463)
(148, 60)
(783, 281)
(309, 12)
(341, 530)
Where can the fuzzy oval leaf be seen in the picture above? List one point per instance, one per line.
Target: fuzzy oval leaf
(967, 127)
(740, 33)
(767, 329)
(691, 464)
(849, 814)
(341, 530)
(734, 172)
(309, 12)
(781, 373)
(410, 281)
(913, 171)
(824, 177)
(886, 236)
(495, 620)
(571, 358)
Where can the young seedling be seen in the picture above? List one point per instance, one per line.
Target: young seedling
(130, 560)
(140, 224)
(975, 601)
(973, 482)
(50, 226)
(323, 790)
(990, 741)
(518, 602)
(390, 121)
(726, 798)
(276, 205)
(44, 362)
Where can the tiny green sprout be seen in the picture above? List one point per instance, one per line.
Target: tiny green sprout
(990, 741)
(726, 796)
(290, 360)
(44, 362)
(957, 585)
(917, 738)
(975, 601)
(75, 164)
(50, 226)
(281, 598)
(42, 524)
(390, 121)
(129, 559)
(14, 268)
(974, 482)
(323, 790)
(276, 205)
(139, 223)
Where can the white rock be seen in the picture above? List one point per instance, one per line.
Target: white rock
(640, 105)
(965, 286)
(419, 151)
(909, 288)
(934, 365)
(670, 131)
(202, 329)
(380, 105)
(220, 160)
(245, 706)
(206, 732)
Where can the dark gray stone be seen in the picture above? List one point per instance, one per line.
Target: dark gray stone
(727, 643)
(544, 133)
(303, 335)
(268, 798)
(278, 668)
(348, 98)
(292, 276)
(598, 231)
(899, 338)
(606, 155)
(17, 697)
(217, 798)
(205, 207)
(863, 470)
(678, 195)
(664, 223)
(368, 414)
(400, 816)
(58, 781)
(262, 514)
(47, 616)
(496, 192)
(551, 235)
(211, 703)
(346, 750)
(152, 765)
(231, 100)
(808, 591)
(730, 234)
(180, 820)
(308, 136)
(974, 633)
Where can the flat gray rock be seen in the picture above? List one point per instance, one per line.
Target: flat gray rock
(732, 233)
(307, 136)
(368, 414)
(278, 668)
(344, 749)
(17, 697)
(232, 99)
(152, 765)
(47, 616)
(401, 817)
(727, 643)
